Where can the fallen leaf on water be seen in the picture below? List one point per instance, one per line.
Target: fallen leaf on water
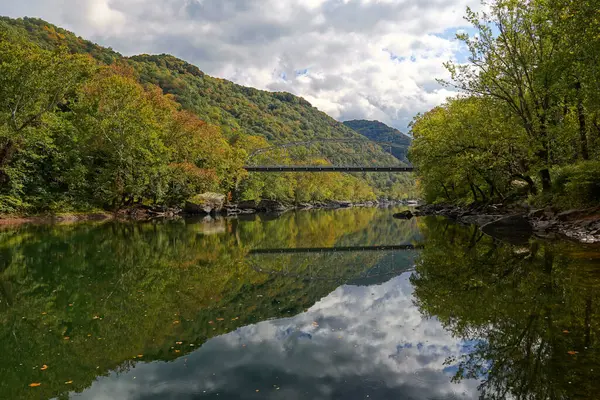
(70, 305)
(140, 355)
(178, 342)
(573, 352)
(220, 319)
(177, 351)
(96, 317)
(67, 338)
(44, 367)
(44, 313)
(235, 319)
(68, 382)
(175, 322)
(35, 384)
(211, 322)
(565, 331)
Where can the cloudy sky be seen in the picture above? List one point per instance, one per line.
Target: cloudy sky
(371, 59)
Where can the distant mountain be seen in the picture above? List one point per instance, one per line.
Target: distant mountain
(380, 132)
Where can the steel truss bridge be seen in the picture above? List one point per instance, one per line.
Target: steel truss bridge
(322, 168)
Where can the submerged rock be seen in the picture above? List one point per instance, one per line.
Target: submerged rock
(404, 215)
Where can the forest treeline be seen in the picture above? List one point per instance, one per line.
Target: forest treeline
(527, 120)
(83, 128)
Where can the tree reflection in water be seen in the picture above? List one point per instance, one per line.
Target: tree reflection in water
(529, 313)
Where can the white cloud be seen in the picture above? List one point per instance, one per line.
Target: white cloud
(375, 59)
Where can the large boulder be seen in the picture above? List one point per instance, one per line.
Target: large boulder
(205, 203)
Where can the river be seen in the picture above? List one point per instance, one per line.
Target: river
(261, 308)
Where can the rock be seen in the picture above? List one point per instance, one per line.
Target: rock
(568, 215)
(247, 205)
(513, 229)
(272, 205)
(536, 213)
(404, 215)
(205, 203)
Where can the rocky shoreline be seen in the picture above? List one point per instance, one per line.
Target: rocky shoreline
(520, 221)
(207, 205)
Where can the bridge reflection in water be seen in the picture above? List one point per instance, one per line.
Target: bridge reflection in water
(325, 168)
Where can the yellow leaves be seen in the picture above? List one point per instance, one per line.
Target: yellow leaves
(68, 382)
(235, 319)
(140, 355)
(44, 367)
(35, 384)
(66, 338)
(220, 319)
(176, 322)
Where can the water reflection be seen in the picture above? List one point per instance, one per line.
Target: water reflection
(359, 342)
(531, 311)
(196, 308)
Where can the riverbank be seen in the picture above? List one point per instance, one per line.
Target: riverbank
(214, 207)
(521, 220)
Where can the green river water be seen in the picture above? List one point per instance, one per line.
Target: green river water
(261, 307)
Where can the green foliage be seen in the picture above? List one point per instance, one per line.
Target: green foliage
(577, 185)
(532, 77)
(76, 134)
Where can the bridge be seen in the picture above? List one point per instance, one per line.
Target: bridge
(322, 168)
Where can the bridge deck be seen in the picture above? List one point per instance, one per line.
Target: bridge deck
(325, 168)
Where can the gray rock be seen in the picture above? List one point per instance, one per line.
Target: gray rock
(205, 203)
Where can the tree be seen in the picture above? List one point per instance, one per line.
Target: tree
(33, 82)
(513, 59)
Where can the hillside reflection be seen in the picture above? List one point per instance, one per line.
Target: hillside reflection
(88, 299)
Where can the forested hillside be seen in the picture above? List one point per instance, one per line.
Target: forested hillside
(380, 132)
(82, 127)
(527, 123)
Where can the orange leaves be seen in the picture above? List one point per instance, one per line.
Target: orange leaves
(35, 384)
(44, 367)
(572, 352)
(176, 322)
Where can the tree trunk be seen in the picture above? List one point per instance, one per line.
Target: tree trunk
(546, 180)
(582, 124)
